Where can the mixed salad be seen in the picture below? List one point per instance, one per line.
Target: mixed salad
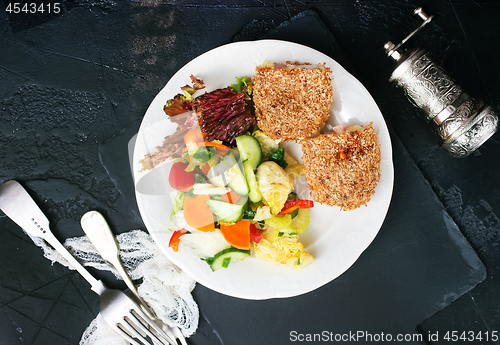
(234, 185)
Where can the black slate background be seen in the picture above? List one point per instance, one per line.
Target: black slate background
(69, 82)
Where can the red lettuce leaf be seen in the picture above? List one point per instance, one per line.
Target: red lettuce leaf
(224, 115)
(183, 102)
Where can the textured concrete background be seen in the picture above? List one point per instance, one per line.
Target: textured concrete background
(71, 81)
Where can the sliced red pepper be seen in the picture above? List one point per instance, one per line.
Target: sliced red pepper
(292, 205)
(255, 234)
(288, 210)
(176, 239)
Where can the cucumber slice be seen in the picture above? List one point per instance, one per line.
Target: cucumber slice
(254, 195)
(237, 181)
(225, 256)
(250, 150)
(301, 222)
(229, 213)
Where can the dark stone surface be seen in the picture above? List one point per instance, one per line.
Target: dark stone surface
(71, 82)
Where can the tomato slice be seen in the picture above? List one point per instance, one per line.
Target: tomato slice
(179, 178)
(255, 234)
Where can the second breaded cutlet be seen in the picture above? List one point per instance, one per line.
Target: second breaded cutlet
(292, 103)
(342, 169)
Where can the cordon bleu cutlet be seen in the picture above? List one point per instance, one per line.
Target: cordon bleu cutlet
(342, 169)
(292, 101)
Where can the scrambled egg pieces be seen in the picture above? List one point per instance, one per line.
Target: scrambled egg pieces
(274, 184)
(282, 250)
(280, 244)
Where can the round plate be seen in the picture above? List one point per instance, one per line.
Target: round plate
(335, 238)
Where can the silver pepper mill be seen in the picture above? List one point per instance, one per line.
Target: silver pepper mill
(460, 122)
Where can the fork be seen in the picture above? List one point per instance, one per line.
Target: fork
(123, 314)
(99, 233)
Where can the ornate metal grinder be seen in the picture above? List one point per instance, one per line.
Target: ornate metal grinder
(460, 122)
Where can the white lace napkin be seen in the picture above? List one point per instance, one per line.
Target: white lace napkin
(165, 287)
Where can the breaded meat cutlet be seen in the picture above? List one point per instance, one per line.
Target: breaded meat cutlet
(342, 169)
(292, 101)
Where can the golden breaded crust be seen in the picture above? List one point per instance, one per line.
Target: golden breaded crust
(342, 169)
(292, 104)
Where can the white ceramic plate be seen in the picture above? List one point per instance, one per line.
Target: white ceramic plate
(336, 239)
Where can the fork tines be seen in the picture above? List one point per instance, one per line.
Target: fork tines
(139, 329)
